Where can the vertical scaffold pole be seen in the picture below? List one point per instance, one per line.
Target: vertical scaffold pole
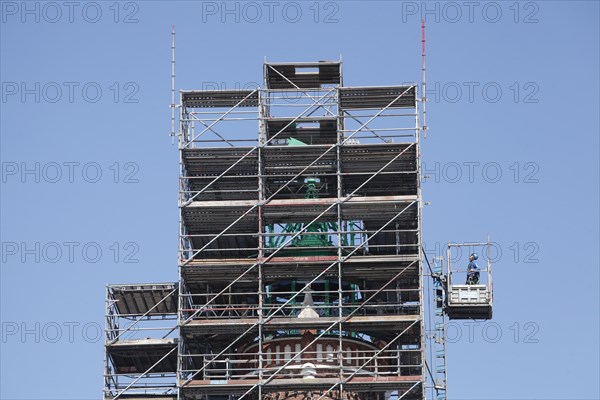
(423, 80)
(173, 84)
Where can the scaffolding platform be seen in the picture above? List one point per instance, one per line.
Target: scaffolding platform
(376, 97)
(221, 173)
(282, 210)
(398, 176)
(354, 384)
(145, 397)
(233, 173)
(315, 130)
(357, 323)
(304, 267)
(137, 367)
(139, 356)
(238, 220)
(151, 299)
(219, 98)
(303, 75)
(469, 302)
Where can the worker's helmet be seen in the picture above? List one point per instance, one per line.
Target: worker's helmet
(475, 256)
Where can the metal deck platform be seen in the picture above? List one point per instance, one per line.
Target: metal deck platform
(233, 173)
(145, 397)
(148, 299)
(376, 97)
(355, 267)
(355, 323)
(469, 302)
(303, 75)
(139, 356)
(219, 98)
(357, 384)
(317, 130)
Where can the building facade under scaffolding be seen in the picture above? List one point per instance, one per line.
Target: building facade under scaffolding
(300, 263)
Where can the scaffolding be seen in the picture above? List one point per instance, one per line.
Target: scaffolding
(141, 341)
(436, 329)
(281, 292)
(300, 252)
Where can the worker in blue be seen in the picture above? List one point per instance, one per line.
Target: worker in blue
(472, 270)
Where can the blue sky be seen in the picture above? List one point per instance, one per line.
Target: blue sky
(512, 151)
